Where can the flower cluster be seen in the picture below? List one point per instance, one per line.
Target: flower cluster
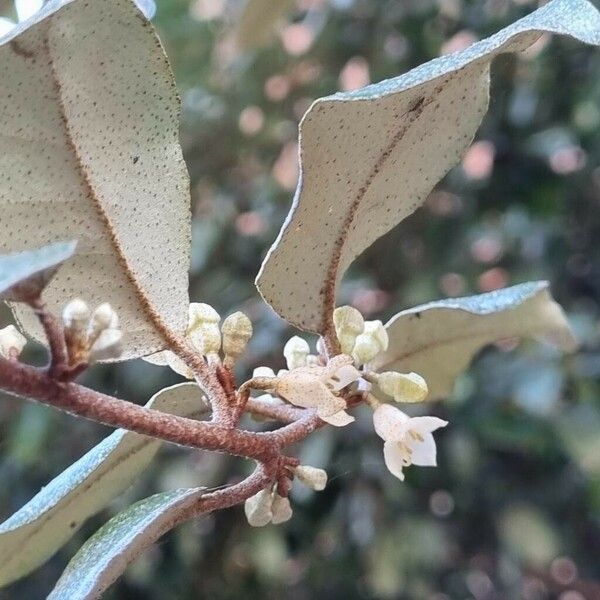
(312, 382)
(268, 506)
(209, 339)
(91, 336)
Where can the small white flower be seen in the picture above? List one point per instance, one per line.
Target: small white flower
(408, 440)
(94, 337)
(315, 479)
(316, 387)
(12, 342)
(349, 324)
(370, 343)
(296, 351)
(403, 387)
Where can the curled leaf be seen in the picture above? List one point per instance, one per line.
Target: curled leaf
(370, 157)
(104, 557)
(24, 275)
(35, 532)
(439, 339)
(89, 144)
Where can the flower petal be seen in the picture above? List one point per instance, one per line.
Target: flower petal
(282, 510)
(258, 508)
(392, 455)
(423, 452)
(339, 419)
(390, 422)
(426, 424)
(342, 377)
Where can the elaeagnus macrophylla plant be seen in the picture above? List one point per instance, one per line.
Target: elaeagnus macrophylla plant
(89, 152)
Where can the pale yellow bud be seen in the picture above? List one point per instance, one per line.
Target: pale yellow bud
(403, 387)
(104, 317)
(282, 510)
(258, 508)
(296, 351)
(237, 331)
(349, 323)
(12, 342)
(312, 477)
(371, 342)
(203, 329)
(200, 314)
(76, 315)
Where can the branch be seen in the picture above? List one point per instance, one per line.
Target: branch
(59, 360)
(32, 383)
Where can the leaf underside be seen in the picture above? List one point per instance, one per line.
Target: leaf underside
(438, 340)
(104, 557)
(370, 157)
(24, 275)
(89, 149)
(35, 532)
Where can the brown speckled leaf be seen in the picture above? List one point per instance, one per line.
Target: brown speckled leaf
(89, 150)
(370, 157)
(438, 340)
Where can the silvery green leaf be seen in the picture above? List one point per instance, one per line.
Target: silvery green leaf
(370, 157)
(24, 275)
(439, 339)
(35, 532)
(89, 148)
(104, 557)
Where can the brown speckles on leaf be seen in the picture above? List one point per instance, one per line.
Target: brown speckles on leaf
(89, 150)
(370, 157)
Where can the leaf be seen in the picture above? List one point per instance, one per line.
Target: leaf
(104, 557)
(24, 275)
(89, 148)
(258, 22)
(370, 157)
(439, 339)
(35, 532)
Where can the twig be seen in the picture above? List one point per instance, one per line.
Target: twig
(59, 361)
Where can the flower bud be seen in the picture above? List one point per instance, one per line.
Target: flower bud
(296, 351)
(107, 345)
(403, 387)
(12, 342)
(258, 508)
(263, 372)
(371, 342)
(76, 315)
(314, 478)
(237, 331)
(349, 323)
(281, 508)
(104, 317)
(203, 329)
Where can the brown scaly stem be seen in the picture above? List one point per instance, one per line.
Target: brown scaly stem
(59, 360)
(33, 383)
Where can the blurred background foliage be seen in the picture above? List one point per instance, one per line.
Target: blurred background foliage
(514, 509)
